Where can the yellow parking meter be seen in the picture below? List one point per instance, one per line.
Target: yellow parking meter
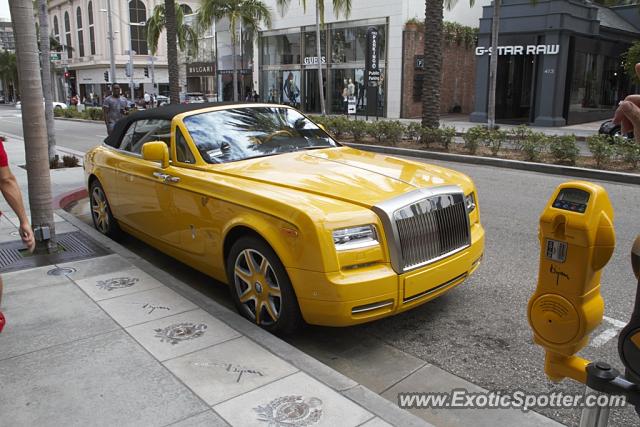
(577, 240)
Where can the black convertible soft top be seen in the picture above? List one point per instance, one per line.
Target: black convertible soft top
(167, 112)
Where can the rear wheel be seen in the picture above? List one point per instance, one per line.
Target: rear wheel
(260, 286)
(103, 219)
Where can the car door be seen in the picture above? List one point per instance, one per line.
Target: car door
(143, 198)
(191, 206)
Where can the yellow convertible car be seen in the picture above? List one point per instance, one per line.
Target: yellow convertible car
(300, 227)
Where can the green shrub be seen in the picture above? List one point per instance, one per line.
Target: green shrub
(374, 129)
(429, 135)
(533, 146)
(339, 125)
(444, 136)
(392, 130)
(93, 114)
(629, 150)
(473, 137)
(601, 149)
(519, 135)
(564, 148)
(495, 140)
(358, 129)
(70, 161)
(72, 113)
(58, 112)
(413, 131)
(447, 136)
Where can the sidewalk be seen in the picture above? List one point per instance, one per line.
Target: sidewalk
(115, 340)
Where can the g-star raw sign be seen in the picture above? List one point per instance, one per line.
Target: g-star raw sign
(532, 49)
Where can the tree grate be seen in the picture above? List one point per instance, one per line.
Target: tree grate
(73, 246)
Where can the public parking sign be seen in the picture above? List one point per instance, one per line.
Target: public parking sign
(373, 59)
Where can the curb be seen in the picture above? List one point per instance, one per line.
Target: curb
(347, 387)
(63, 200)
(79, 120)
(572, 171)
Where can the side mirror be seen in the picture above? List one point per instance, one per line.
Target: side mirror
(156, 151)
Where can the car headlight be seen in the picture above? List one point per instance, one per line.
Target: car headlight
(355, 237)
(470, 202)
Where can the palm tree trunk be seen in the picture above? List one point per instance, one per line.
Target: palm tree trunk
(45, 61)
(33, 121)
(172, 50)
(319, 55)
(432, 63)
(493, 65)
(234, 41)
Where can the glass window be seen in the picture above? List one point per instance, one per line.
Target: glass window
(586, 82)
(282, 49)
(56, 28)
(137, 16)
(186, 9)
(80, 32)
(67, 34)
(183, 152)
(310, 47)
(244, 133)
(350, 44)
(144, 131)
(92, 33)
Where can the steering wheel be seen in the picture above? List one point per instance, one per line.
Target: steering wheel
(281, 132)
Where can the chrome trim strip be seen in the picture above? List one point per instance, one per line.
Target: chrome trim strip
(386, 210)
(437, 288)
(371, 307)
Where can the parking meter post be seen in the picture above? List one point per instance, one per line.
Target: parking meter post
(594, 416)
(577, 240)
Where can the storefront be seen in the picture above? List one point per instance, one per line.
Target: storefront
(289, 66)
(559, 62)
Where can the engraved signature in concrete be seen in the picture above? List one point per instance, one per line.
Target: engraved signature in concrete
(233, 369)
(179, 332)
(117, 283)
(288, 411)
(150, 307)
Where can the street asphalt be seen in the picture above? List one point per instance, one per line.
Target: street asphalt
(478, 331)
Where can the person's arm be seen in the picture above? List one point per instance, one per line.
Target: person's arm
(13, 196)
(105, 113)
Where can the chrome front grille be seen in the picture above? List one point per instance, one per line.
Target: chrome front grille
(425, 226)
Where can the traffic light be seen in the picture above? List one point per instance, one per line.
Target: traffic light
(146, 71)
(106, 76)
(67, 75)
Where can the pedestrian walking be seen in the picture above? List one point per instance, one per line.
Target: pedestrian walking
(11, 192)
(147, 100)
(114, 107)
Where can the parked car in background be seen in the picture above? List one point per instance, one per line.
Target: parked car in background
(56, 105)
(301, 227)
(162, 100)
(613, 131)
(1, 99)
(194, 98)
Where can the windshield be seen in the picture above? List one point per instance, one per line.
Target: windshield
(244, 133)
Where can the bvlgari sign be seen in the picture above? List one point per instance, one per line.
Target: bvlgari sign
(201, 69)
(532, 49)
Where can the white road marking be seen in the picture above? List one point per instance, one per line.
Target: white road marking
(609, 333)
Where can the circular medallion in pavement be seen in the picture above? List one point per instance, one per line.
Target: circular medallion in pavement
(287, 411)
(179, 332)
(61, 271)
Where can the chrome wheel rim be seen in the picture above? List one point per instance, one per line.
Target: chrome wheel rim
(99, 210)
(257, 287)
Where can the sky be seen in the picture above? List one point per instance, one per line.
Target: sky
(4, 9)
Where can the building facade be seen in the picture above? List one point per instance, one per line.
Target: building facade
(81, 27)
(559, 61)
(7, 41)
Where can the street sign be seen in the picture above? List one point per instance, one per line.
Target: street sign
(372, 57)
(351, 105)
(55, 56)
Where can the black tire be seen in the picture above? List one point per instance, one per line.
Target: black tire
(269, 299)
(103, 219)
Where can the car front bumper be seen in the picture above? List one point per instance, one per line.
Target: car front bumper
(346, 298)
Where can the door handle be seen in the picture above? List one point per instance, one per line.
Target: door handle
(166, 177)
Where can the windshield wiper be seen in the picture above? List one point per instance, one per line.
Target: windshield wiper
(316, 147)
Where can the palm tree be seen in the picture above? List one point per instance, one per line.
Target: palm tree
(9, 71)
(251, 14)
(33, 121)
(433, 60)
(45, 61)
(339, 6)
(172, 50)
(187, 36)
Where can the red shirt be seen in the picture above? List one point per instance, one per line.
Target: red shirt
(4, 161)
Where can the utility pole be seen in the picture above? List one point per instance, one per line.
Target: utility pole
(112, 72)
(153, 77)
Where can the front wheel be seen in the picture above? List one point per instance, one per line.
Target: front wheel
(260, 286)
(103, 219)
